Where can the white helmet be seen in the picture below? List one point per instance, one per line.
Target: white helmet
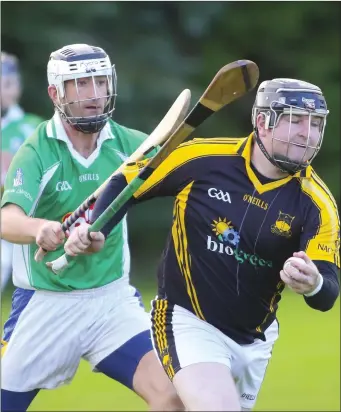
(78, 61)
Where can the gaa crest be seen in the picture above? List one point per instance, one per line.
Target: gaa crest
(282, 226)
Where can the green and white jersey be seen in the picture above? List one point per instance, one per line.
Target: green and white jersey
(48, 179)
(16, 127)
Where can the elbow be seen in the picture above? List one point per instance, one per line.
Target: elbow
(326, 305)
(322, 307)
(326, 308)
(329, 305)
(323, 303)
(4, 226)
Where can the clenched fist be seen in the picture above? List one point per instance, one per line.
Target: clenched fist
(302, 276)
(81, 241)
(50, 235)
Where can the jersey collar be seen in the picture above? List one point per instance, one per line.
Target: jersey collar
(55, 129)
(245, 151)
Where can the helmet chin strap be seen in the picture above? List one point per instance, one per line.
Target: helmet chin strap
(88, 125)
(283, 168)
(91, 124)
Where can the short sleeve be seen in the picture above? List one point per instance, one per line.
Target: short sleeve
(23, 179)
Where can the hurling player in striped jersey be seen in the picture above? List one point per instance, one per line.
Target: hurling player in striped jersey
(242, 208)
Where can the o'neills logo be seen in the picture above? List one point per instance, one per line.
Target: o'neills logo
(255, 201)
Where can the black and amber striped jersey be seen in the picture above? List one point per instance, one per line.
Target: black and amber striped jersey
(232, 232)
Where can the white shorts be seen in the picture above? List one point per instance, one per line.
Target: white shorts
(48, 333)
(181, 339)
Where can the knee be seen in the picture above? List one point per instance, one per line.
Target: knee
(153, 385)
(165, 400)
(158, 392)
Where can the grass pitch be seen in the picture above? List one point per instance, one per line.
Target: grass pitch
(303, 375)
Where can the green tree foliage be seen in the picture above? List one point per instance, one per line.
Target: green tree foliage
(160, 48)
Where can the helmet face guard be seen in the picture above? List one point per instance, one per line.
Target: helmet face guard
(94, 123)
(288, 106)
(78, 62)
(308, 149)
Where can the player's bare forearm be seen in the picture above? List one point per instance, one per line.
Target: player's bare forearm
(17, 227)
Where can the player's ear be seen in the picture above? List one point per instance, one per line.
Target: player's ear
(52, 91)
(260, 123)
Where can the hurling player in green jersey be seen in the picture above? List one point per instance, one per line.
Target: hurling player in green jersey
(16, 126)
(92, 313)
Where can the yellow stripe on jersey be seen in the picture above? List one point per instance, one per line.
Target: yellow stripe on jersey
(326, 242)
(3, 347)
(278, 292)
(182, 155)
(181, 245)
(157, 323)
(220, 140)
(161, 336)
(169, 366)
(261, 188)
(321, 183)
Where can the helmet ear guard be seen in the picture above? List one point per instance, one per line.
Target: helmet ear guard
(80, 61)
(268, 119)
(266, 115)
(279, 97)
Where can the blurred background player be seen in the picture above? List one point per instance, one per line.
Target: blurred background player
(16, 126)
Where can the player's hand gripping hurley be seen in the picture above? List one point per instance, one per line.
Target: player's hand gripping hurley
(231, 82)
(160, 134)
